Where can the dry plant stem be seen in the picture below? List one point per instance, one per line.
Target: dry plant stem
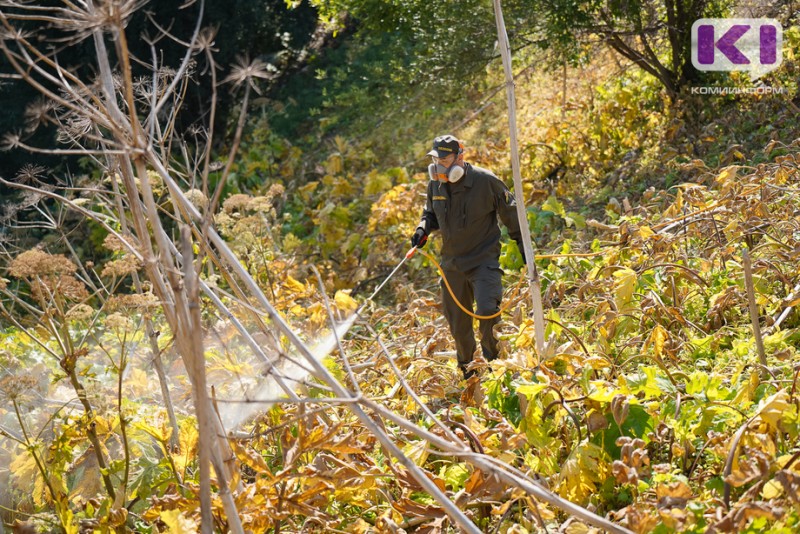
(174, 303)
(123, 424)
(342, 352)
(163, 382)
(449, 433)
(202, 403)
(731, 457)
(174, 441)
(452, 510)
(751, 303)
(505, 472)
(237, 138)
(184, 64)
(533, 273)
(32, 449)
(785, 313)
(228, 464)
(211, 118)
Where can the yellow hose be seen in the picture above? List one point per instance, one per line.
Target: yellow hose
(450, 290)
(508, 303)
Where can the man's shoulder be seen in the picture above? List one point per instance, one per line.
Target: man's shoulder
(480, 171)
(484, 177)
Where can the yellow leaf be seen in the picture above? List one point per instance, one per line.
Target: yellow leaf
(317, 313)
(645, 232)
(306, 190)
(24, 470)
(417, 451)
(250, 458)
(160, 434)
(771, 410)
(359, 527)
(67, 519)
(294, 285)
(727, 174)
(188, 441)
(345, 302)
(582, 472)
(377, 183)
(177, 523)
(626, 282)
(577, 527)
(745, 394)
(657, 338)
(772, 490)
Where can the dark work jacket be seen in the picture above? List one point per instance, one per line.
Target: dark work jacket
(466, 213)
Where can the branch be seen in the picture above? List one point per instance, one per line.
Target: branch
(184, 63)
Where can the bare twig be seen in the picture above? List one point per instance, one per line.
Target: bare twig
(753, 307)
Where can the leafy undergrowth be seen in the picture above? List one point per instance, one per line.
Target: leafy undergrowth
(650, 404)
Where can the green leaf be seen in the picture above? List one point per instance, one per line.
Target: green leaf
(637, 424)
(553, 205)
(575, 218)
(645, 380)
(455, 475)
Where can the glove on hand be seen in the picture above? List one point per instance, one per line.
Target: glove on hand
(419, 238)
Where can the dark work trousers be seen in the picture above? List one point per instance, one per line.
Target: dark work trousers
(483, 285)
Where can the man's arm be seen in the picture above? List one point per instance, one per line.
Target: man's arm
(506, 207)
(429, 221)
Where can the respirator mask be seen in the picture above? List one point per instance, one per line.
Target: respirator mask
(450, 174)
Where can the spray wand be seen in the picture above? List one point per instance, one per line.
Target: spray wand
(408, 255)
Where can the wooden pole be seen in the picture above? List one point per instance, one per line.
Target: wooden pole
(533, 273)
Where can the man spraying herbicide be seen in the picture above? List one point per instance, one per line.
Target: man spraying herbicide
(464, 202)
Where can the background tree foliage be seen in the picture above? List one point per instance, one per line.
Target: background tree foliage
(269, 30)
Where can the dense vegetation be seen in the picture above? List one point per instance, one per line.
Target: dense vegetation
(665, 399)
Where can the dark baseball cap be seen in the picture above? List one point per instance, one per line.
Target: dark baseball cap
(444, 145)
